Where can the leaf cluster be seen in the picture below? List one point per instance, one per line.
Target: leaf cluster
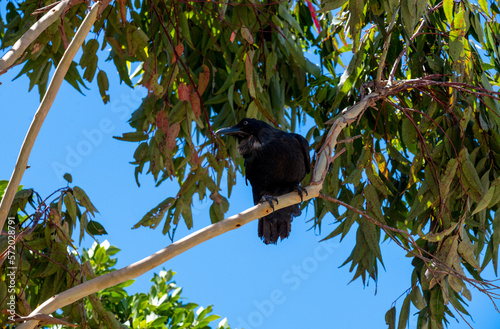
(46, 262)
(422, 161)
(44, 255)
(426, 164)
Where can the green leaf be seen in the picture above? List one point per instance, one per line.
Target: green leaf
(348, 78)
(68, 178)
(471, 177)
(83, 199)
(284, 12)
(83, 225)
(437, 304)
(466, 251)
(409, 132)
(235, 66)
(245, 33)
(372, 237)
(357, 16)
(95, 228)
(484, 6)
(250, 73)
(485, 201)
(456, 301)
(373, 205)
(136, 136)
(73, 77)
(71, 207)
(103, 83)
(376, 181)
(436, 237)
(490, 102)
(417, 298)
(448, 177)
(449, 8)
(188, 217)
(159, 322)
(404, 313)
(455, 283)
(271, 61)
(329, 5)
(253, 110)
(390, 318)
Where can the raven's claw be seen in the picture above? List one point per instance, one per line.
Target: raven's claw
(270, 199)
(300, 190)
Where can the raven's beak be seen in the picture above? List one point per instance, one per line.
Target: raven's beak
(234, 130)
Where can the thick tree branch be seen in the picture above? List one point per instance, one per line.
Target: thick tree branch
(134, 270)
(42, 111)
(321, 168)
(347, 117)
(35, 30)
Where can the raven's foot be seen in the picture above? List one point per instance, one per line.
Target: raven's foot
(300, 190)
(270, 199)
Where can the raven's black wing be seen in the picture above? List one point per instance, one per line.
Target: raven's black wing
(305, 151)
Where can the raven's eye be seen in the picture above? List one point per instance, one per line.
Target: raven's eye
(245, 123)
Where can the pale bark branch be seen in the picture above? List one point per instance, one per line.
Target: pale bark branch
(42, 111)
(136, 269)
(347, 117)
(35, 30)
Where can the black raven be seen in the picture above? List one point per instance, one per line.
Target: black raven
(275, 164)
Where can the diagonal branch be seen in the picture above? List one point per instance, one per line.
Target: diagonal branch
(8, 60)
(138, 268)
(42, 111)
(321, 168)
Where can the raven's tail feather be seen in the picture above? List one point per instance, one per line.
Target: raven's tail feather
(278, 224)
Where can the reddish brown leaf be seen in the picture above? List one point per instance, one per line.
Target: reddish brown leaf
(216, 197)
(123, 11)
(250, 74)
(172, 133)
(161, 121)
(179, 49)
(183, 92)
(203, 80)
(313, 15)
(195, 159)
(117, 48)
(245, 33)
(233, 35)
(195, 104)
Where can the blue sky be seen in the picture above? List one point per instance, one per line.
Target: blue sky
(295, 284)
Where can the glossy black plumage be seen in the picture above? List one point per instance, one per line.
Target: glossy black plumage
(275, 164)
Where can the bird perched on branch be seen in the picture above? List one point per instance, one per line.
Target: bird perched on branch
(275, 163)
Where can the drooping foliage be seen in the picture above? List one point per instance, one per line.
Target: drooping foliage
(43, 261)
(422, 162)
